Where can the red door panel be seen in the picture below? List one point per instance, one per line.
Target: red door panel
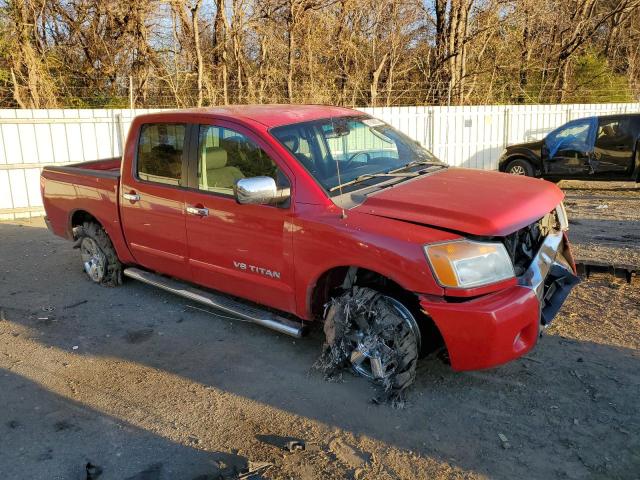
(243, 250)
(152, 206)
(154, 227)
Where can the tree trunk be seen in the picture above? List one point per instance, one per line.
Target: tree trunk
(291, 50)
(16, 91)
(220, 48)
(375, 79)
(196, 44)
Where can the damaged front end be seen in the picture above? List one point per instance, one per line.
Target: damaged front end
(542, 261)
(495, 328)
(551, 275)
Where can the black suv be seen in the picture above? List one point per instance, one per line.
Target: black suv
(594, 148)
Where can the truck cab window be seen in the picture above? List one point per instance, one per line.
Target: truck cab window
(160, 149)
(614, 133)
(226, 156)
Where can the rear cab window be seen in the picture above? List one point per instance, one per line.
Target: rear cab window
(160, 155)
(615, 132)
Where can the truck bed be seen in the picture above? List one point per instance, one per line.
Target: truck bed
(106, 168)
(82, 187)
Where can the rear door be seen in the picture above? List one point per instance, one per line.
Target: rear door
(614, 146)
(568, 149)
(243, 250)
(152, 204)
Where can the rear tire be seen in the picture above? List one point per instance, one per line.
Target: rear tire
(99, 259)
(520, 166)
(376, 335)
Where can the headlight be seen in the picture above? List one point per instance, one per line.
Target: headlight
(465, 263)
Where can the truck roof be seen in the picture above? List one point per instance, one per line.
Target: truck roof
(269, 115)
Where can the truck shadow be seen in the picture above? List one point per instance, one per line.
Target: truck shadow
(44, 435)
(553, 404)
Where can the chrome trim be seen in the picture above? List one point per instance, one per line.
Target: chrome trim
(198, 211)
(226, 304)
(259, 191)
(548, 255)
(132, 197)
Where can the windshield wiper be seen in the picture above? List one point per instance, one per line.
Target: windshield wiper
(390, 173)
(415, 163)
(367, 176)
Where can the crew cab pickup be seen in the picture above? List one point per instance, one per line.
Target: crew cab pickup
(284, 215)
(593, 148)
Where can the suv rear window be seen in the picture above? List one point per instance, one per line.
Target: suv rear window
(160, 150)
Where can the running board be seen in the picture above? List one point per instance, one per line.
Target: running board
(219, 302)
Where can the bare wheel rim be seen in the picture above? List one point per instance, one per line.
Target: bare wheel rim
(93, 260)
(517, 170)
(373, 356)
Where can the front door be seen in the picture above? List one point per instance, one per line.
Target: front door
(243, 250)
(568, 149)
(614, 147)
(152, 204)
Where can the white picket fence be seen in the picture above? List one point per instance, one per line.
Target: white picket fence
(462, 136)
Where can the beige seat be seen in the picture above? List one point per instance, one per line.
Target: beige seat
(215, 172)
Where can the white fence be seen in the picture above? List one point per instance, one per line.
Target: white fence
(463, 136)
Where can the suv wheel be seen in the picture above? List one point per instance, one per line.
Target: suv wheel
(375, 334)
(520, 167)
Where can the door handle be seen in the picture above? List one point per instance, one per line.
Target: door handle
(132, 196)
(198, 211)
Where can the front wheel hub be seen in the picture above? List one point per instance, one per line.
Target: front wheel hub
(374, 353)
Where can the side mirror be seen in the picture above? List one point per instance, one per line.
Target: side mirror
(260, 191)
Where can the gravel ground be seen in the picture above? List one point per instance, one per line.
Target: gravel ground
(605, 220)
(134, 381)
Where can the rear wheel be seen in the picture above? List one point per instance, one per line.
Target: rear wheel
(99, 258)
(375, 334)
(520, 166)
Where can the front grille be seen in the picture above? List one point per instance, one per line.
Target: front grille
(523, 244)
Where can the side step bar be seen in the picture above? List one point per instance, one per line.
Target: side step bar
(219, 302)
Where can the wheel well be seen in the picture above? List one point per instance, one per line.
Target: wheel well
(519, 156)
(79, 217)
(516, 157)
(338, 279)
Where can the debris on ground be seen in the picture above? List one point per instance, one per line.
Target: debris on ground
(76, 304)
(93, 471)
(505, 441)
(290, 444)
(363, 323)
(255, 468)
(294, 445)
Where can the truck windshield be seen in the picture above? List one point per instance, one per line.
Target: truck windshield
(351, 152)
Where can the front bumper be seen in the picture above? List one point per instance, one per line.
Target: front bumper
(496, 328)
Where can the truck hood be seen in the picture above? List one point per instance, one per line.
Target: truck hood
(470, 201)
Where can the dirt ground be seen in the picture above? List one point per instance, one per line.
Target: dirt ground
(605, 220)
(133, 380)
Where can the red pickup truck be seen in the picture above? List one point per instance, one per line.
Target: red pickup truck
(283, 215)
